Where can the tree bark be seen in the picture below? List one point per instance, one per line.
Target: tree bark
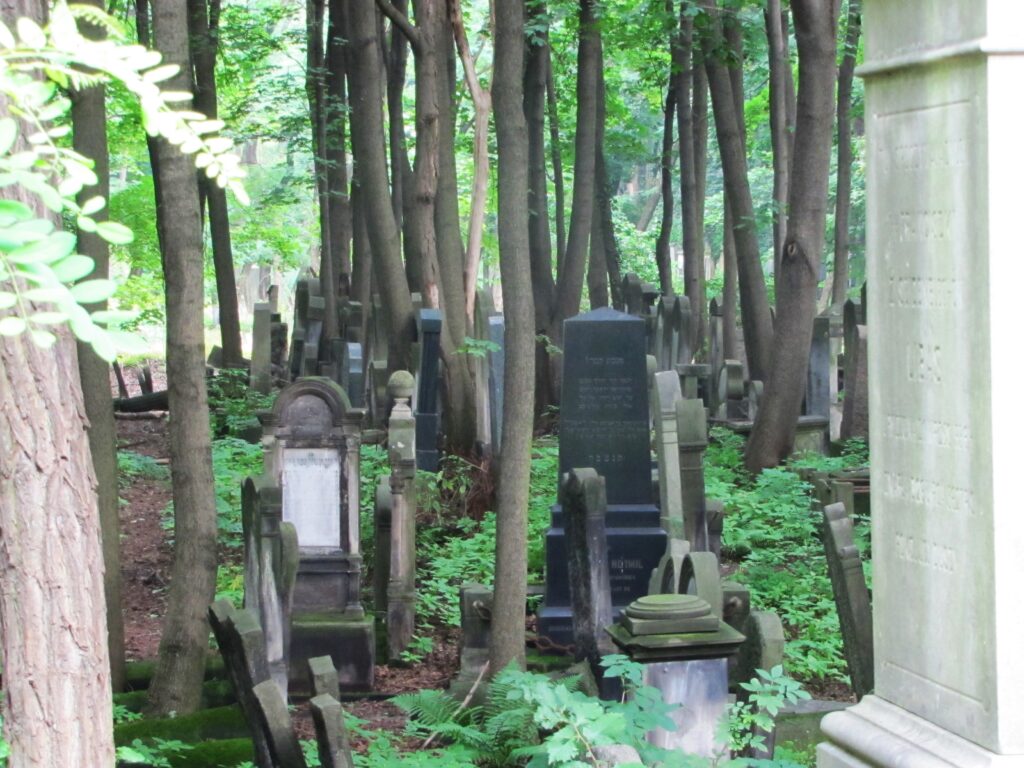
(775, 428)
(481, 157)
(597, 269)
(662, 250)
(778, 67)
(88, 115)
(366, 93)
(508, 627)
(556, 163)
(607, 187)
(401, 171)
(693, 237)
(734, 39)
(841, 264)
(730, 342)
(335, 130)
(177, 680)
(700, 167)
(203, 22)
(757, 321)
(570, 277)
(52, 607)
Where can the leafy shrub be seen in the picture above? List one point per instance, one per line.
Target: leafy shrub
(132, 466)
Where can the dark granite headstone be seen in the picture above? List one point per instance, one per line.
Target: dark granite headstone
(818, 397)
(605, 424)
(428, 416)
(352, 379)
(496, 379)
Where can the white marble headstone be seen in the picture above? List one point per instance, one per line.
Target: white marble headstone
(311, 491)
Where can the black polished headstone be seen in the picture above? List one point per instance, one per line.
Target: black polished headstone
(428, 417)
(605, 425)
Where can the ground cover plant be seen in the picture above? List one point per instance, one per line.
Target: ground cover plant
(772, 535)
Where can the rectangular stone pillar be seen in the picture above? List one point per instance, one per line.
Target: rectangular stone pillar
(944, 110)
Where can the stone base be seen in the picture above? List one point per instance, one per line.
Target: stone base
(350, 644)
(877, 734)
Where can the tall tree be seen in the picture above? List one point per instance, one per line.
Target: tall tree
(52, 613)
(757, 321)
(662, 251)
(366, 92)
(88, 115)
(339, 209)
(204, 23)
(796, 284)
(841, 264)
(177, 680)
(733, 32)
(508, 628)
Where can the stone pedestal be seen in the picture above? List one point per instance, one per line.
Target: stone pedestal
(943, 114)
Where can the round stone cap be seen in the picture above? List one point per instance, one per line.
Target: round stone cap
(669, 607)
(401, 384)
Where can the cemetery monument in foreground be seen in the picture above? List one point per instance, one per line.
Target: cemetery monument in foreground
(943, 111)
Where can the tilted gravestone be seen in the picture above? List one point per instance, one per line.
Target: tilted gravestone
(853, 603)
(271, 566)
(605, 425)
(240, 640)
(582, 495)
(272, 711)
(428, 390)
(331, 734)
(312, 438)
(692, 439)
(401, 591)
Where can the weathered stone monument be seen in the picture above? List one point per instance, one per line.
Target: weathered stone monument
(312, 440)
(605, 425)
(260, 375)
(943, 114)
(401, 591)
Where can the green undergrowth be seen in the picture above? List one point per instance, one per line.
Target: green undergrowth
(773, 532)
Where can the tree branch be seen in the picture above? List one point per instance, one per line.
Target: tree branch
(401, 21)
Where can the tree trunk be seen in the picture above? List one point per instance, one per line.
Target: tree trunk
(88, 115)
(556, 163)
(757, 321)
(597, 270)
(570, 277)
(316, 93)
(841, 265)
(508, 626)
(734, 39)
(700, 167)
(366, 93)
(339, 206)
(778, 67)
(481, 157)
(775, 429)
(693, 238)
(177, 680)
(606, 188)
(401, 171)
(730, 343)
(52, 608)
(662, 250)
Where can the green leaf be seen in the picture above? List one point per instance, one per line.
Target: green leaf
(92, 291)
(7, 299)
(6, 38)
(12, 326)
(115, 233)
(161, 73)
(128, 342)
(73, 268)
(47, 294)
(92, 205)
(86, 224)
(30, 33)
(42, 338)
(48, 318)
(56, 246)
(114, 316)
(103, 344)
(8, 134)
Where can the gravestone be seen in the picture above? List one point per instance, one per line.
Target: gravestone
(496, 379)
(272, 710)
(605, 425)
(260, 375)
(818, 398)
(271, 566)
(853, 603)
(331, 734)
(633, 294)
(665, 394)
(475, 604)
(942, 101)
(855, 400)
(582, 495)
(312, 438)
(428, 382)
(353, 380)
(241, 645)
(483, 308)
(692, 440)
(401, 615)
(381, 547)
